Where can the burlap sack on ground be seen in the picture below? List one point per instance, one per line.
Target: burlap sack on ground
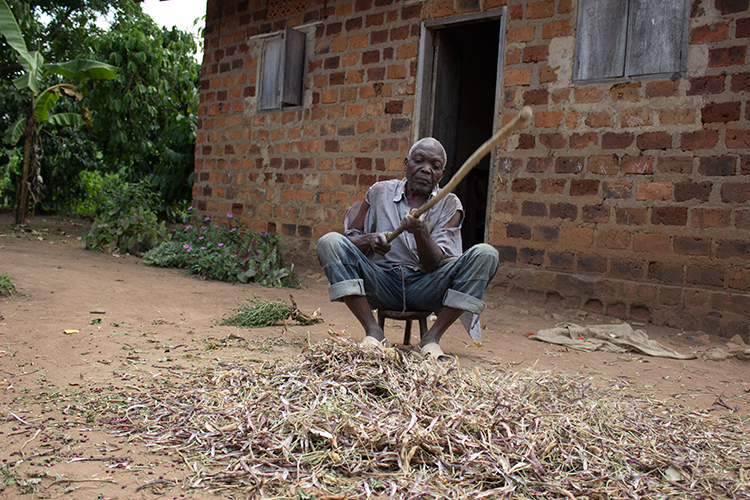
(608, 338)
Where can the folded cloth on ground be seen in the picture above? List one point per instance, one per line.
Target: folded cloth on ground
(608, 338)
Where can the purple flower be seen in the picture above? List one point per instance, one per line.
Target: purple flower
(233, 229)
(201, 237)
(229, 215)
(221, 244)
(190, 207)
(208, 218)
(203, 248)
(188, 227)
(186, 246)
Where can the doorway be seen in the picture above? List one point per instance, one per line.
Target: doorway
(457, 100)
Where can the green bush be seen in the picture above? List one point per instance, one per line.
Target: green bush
(126, 220)
(7, 287)
(224, 249)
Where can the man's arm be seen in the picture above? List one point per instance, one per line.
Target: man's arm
(430, 254)
(365, 242)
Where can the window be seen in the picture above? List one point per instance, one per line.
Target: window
(630, 39)
(282, 70)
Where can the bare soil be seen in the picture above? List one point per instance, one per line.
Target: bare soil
(127, 323)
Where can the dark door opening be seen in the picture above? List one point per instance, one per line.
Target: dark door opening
(462, 110)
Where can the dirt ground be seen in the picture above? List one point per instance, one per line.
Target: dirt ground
(129, 322)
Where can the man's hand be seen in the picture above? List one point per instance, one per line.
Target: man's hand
(379, 244)
(412, 224)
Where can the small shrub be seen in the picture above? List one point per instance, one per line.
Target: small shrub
(7, 287)
(126, 220)
(224, 249)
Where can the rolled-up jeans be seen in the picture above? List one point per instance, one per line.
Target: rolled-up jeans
(459, 283)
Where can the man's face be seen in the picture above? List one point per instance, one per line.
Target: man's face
(424, 169)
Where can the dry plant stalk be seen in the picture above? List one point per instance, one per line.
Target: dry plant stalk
(355, 423)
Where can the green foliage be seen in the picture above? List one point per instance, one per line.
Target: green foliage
(146, 118)
(257, 314)
(225, 250)
(126, 221)
(7, 287)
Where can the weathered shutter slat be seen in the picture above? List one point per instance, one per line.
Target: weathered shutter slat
(294, 64)
(600, 42)
(270, 75)
(655, 38)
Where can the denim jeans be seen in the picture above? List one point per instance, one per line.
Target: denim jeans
(458, 283)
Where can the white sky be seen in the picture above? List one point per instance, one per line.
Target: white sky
(180, 13)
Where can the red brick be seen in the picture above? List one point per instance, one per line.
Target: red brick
(518, 77)
(568, 165)
(577, 236)
(731, 6)
(587, 94)
(540, 10)
(584, 187)
(710, 217)
(709, 33)
(625, 92)
(649, 242)
(669, 216)
(735, 192)
(580, 141)
(595, 213)
(611, 140)
(702, 85)
(743, 28)
(518, 34)
(721, 112)
(705, 275)
(692, 245)
(556, 28)
(526, 141)
(535, 97)
(506, 207)
(617, 189)
(742, 219)
(744, 165)
(545, 233)
(535, 53)
(563, 211)
(635, 118)
(614, 240)
(684, 191)
(654, 140)
(553, 141)
(534, 209)
(599, 120)
(654, 191)
(666, 273)
(637, 164)
(603, 165)
(538, 165)
(718, 165)
(517, 231)
(732, 303)
(633, 216)
(662, 88)
(738, 138)
(548, 119)
(740, 82)
(523, 185)
(591, 263)
(411, 12)
(675, 164)
(702, 139)
(727, 56)
(553, 186)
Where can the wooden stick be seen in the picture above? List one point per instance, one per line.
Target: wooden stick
(520, 119)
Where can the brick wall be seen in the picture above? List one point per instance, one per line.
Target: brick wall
(628, 198)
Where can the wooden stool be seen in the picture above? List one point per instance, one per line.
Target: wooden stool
(407, 316)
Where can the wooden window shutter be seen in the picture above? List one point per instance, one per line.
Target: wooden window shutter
(282, 71)
(655, 37)
(601, 39)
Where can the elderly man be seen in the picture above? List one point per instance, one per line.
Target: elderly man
(423, 269)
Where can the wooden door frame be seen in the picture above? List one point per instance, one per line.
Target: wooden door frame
(423, 92)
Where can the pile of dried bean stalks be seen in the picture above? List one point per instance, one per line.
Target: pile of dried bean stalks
(344, 422)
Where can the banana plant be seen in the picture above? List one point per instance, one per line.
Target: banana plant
(42, 102)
